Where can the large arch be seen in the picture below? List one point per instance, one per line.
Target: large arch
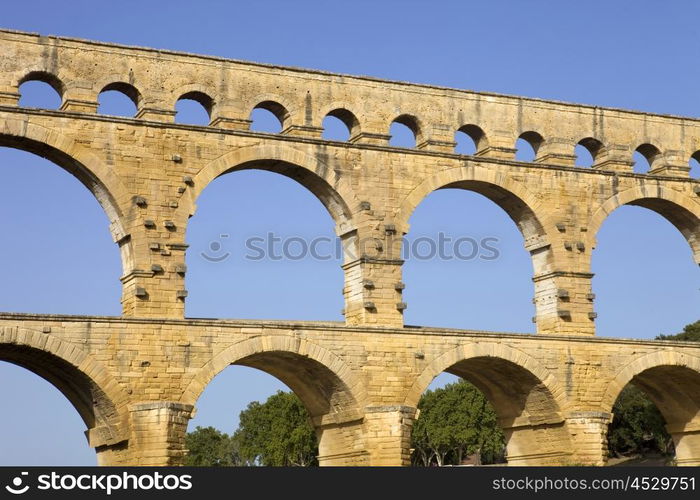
(337, 380)
(99, 399)
(680, 210)
(311, 172)
(102, 182)
(329, 389)
(520, 205)
(495, 350)
(660, 358)
(671, 379)
(527, 398)
(512, 197)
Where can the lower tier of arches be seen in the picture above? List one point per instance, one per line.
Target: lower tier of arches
(136, 383)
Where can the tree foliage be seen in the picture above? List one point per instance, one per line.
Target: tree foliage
(638, 426)
(209, 447)
(456, 421)
(690, 333)
(276, 433)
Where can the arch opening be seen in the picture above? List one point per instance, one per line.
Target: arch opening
(40, 89)
(663, 403)
(445, 243)
(340, 125)
(631, 282)
(264, 261)
(694, 164)
(85, 395)
(119, 99)
(470, 140)
(96, 408)
(637, 433)
(311, 177)
(43, 429)
(321, 427)
(56, 244)
(334, 129)
(269, 116)
(645, 157)
(194, 108)
(511, 408)
(74, 167)
(318, 387)
(404, 131)
(587, 152)
(527, 145)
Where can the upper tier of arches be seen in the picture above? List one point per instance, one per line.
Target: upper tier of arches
(229, 91)
(287, 114)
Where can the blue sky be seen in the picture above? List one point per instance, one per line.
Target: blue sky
(59, 258)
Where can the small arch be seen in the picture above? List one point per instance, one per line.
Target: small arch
(119, 95)
(263, 122)
(194, 108)
(470, 140)
(645, 157)
(587, 152)
(527, 145)
(46, 77)
(343, 117)
(125, 88)
(40, 89)
(694, 165)
(405, 131)
(334, 129)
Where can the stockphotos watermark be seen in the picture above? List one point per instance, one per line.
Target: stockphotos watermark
(276, 248)
(102, 483)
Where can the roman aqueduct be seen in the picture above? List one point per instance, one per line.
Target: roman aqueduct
(135, 378)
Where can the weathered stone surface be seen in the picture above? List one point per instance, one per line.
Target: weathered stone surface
(135, 379)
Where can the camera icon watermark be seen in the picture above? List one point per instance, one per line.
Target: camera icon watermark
(16, 488)
(217, 252)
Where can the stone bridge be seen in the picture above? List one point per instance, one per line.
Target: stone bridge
(136, 378)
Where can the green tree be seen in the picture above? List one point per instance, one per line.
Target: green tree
(209, 447)
(456, 421)
(276, 433)
(690, 333)
(638, 426)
